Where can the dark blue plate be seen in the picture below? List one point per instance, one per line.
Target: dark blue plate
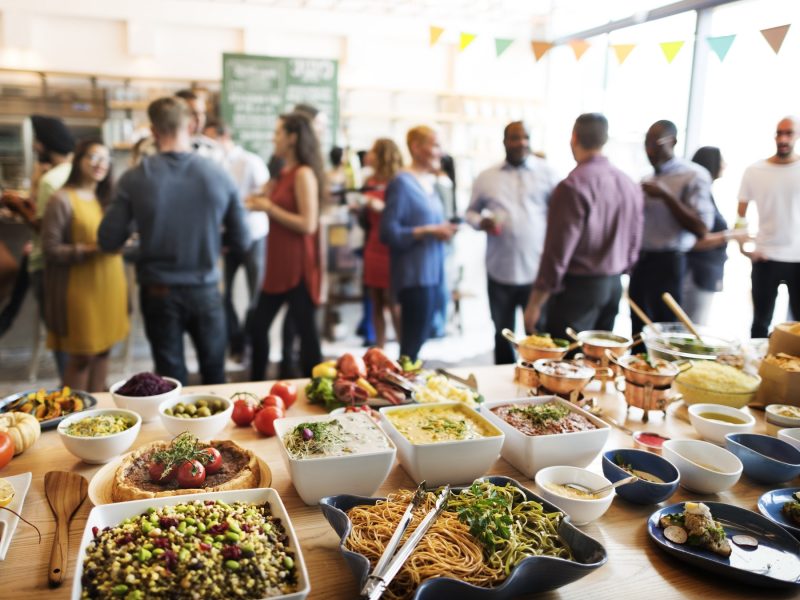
(771, 504)
(89, 401)
(775, 562)
(533, 574)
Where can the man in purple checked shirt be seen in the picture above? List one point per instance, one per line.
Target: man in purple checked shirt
(594, 231)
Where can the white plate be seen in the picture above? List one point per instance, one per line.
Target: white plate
(111, 515)
(8, 521)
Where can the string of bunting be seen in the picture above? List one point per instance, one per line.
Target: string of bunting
(719, 45)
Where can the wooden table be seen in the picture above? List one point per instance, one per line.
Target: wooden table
(635, 568)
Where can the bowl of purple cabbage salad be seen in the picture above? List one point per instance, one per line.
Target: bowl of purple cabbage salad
(144, 392)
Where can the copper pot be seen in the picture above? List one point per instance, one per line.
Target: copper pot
(648, 397)
(668, 371)
(531, 353)
(579, 376)
(525, 375)
(595, 342)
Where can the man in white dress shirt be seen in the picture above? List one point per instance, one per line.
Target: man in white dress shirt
(509, 203)
(249, 172)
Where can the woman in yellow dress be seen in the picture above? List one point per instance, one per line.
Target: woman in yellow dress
(86, 296)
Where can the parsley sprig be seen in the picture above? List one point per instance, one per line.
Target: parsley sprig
(487, 516)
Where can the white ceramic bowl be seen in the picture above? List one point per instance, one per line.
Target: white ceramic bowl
(453, 462)
(111, 515)
(704, 467)
(774, 418)
(146, 406)
(529, 453)
(99, 450)
(790, 436)
(714, 430)
(580, 512)
(204, 428)
(359, 474)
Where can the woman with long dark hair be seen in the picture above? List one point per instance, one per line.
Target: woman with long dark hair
(705, 264)
(385, 159)
(293, 273)
(86, 306)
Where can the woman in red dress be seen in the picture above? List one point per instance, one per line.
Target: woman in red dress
(386, 160)
(293, 272)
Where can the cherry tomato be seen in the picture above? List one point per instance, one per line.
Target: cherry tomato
(191, 474)
(243, 412)
(214, 463)
(156, 470)
(265, 420)
(6, 449)
(273, 400)
(286, 390)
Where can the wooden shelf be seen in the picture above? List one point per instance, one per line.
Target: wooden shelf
(128, 104)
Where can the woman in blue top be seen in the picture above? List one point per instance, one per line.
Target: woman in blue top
(414, 228)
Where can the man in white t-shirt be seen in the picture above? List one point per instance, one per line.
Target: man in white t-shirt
(774, 185)
(249, 171)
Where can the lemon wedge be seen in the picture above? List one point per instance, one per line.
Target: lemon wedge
(6, 492)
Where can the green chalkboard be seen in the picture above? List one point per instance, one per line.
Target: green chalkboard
(257, 89)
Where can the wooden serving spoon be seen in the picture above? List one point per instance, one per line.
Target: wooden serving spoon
(681, 314)
(65, 492)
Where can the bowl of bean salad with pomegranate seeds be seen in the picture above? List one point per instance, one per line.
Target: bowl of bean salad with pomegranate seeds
(237, 544)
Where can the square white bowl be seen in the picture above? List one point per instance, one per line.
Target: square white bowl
(111, 515)
(358, 474)
(531, 453)
(454, 462)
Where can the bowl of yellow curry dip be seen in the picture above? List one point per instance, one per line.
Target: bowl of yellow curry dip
(444, 442)
(97, 436)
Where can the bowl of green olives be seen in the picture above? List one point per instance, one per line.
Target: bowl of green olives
(204, 415)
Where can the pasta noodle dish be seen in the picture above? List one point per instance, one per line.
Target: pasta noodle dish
(484, 532)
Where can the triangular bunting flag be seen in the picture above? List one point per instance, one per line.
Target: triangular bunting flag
(721, 44)
(775, 36)
(671, 49)
(622, 51)
(466, 40)
(501, 45)
(579, 47)
(435, 33)
(540, 49)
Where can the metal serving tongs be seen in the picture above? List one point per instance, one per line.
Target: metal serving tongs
(390, 562)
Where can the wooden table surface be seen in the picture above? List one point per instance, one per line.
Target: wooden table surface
(635, 567)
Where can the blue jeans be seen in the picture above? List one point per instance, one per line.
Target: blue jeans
(417, 306)
(169, 312)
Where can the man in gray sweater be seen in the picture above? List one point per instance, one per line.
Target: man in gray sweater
(179, 203)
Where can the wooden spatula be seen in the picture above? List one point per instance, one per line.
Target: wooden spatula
(65, 492)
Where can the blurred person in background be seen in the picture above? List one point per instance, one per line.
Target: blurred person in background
(86, 305)
(414, 228)
(201, 143)
(385, 161)
(510, 203)
(250, 174)
(54, 145)
(293, 273)
(594, 231)
(774, 185)
(180, 204)
(705, 263)
(678, 212)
